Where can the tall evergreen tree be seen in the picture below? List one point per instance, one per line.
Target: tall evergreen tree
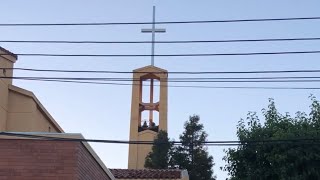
(192, 154)
(158, 158)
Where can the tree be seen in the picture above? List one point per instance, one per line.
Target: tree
(192, 154)
(158, 158)
(262, 153)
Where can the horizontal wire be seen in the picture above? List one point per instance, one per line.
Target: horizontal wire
(160, 42)
(171, 72)
(169, 80)
(161, 22)
(178, 86)
(166, 55)
(314, 141)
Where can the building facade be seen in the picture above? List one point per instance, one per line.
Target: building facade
(23, 157)
(20, 110)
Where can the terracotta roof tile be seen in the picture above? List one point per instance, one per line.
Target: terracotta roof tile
(146, 173)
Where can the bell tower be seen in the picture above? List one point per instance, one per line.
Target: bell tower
(142, 129)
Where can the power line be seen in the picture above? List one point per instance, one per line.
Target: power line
(160, 42)
(178, 86)
(168, 55)
(171, 72)
(186, 80)
(162, 22)
(314, 141)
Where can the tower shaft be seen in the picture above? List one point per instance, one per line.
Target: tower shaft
(139, 129)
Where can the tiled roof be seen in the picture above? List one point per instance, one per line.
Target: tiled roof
(8, 52)
(146, 173)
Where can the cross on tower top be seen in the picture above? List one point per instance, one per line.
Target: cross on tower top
(153, 30)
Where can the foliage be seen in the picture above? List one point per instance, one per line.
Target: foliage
(158, 158)
(269, 159)
(192, 154)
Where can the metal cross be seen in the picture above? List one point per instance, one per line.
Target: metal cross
(154, 30)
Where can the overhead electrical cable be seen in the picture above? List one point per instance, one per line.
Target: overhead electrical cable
(199, 80)
(187, 79)
(27, 136)
(168, 55)
(162, 22)
(170, 72)
(160, 42)
(176, 86)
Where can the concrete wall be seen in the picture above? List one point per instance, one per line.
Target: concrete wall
(144, 149)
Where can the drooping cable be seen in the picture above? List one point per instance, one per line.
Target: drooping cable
(163, 22)
(28, 136)
(166, 55)
(161, 42)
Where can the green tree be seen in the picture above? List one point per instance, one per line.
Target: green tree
(158, 158)
(192, 154)
(261, 157)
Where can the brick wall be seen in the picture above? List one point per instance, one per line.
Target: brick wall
(87, 167)
(47, 160)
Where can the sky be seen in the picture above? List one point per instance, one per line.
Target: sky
(103, 111)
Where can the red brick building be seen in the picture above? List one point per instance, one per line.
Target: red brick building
(31, 159)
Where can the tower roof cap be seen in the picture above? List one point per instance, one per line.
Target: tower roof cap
(150, 69)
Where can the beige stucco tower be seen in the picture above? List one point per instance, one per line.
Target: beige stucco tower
(141, 130)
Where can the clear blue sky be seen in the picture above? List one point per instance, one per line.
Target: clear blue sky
(103, 112)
